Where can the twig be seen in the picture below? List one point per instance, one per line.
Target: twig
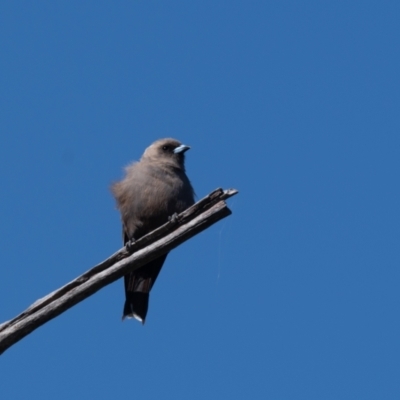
(195, 219)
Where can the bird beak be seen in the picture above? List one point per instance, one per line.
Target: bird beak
(181, 149)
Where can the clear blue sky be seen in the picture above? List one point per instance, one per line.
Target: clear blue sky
(295, 104)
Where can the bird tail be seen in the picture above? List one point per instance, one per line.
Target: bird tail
(137, 289)
(136, 306)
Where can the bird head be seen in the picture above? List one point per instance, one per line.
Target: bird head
(168, 151)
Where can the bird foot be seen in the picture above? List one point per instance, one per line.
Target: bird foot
(173, 218)
(129, 245)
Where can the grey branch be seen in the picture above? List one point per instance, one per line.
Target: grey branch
(180, 228)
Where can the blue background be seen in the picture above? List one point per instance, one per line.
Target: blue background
(295, 104)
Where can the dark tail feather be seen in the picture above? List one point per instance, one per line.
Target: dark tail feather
(137, 288)
(136, 305)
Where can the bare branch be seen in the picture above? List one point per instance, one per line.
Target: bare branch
(195, 219)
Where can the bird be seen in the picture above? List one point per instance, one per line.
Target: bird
(153, 190)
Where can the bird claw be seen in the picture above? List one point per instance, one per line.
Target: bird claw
(173, 218)
(129, 245)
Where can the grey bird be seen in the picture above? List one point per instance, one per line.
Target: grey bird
(153, 190)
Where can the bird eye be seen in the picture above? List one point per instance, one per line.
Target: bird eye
(165, 148)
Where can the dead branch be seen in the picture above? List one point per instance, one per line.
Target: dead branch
(195, 219)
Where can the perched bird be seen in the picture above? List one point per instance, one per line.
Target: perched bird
(153, 190)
